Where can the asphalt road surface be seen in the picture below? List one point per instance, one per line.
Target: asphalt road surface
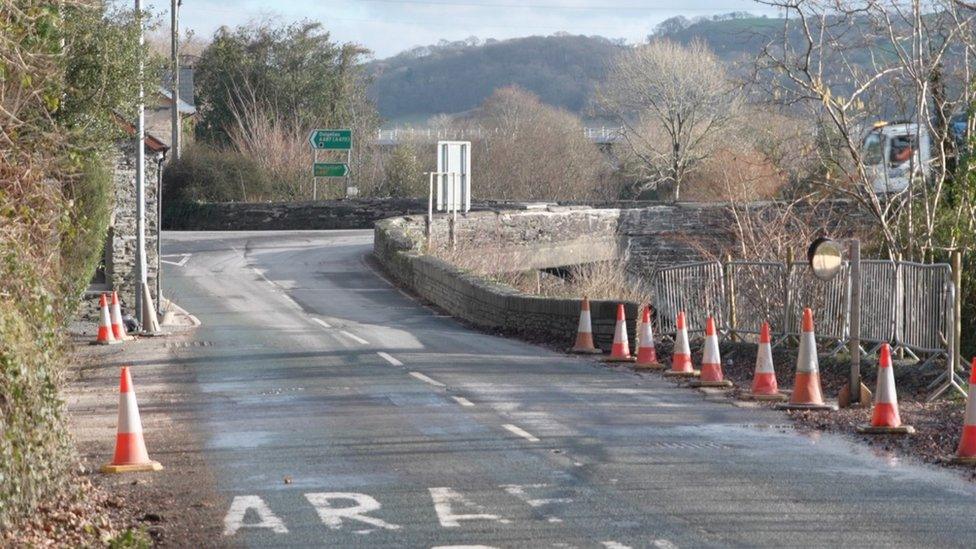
(343, 413)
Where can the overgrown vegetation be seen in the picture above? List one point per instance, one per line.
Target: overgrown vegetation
(67, 70)
(260, 89)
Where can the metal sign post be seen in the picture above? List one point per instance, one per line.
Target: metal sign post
(855, 321)
(826, 258)
(329, 140)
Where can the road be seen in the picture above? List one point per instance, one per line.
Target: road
(341, 412)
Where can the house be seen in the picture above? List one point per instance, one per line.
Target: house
(118, 268)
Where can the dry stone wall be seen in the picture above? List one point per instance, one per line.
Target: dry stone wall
(398, 246)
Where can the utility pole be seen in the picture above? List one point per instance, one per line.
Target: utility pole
(144, 305)
(140, 175)
(175, 43)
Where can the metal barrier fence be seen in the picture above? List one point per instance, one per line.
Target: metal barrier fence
(757, 293)
(905, 304)
(696, 288)
(927, 310)
(881, 298)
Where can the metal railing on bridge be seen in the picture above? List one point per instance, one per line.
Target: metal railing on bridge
(908, 305)
(392, 136)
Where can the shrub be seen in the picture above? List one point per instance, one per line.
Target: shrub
(403, 174)
(208, 174)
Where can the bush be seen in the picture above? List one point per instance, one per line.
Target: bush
(207, 174)
(83, 230)
(403, 174)
(35, 451)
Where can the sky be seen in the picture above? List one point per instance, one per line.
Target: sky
(388, 27)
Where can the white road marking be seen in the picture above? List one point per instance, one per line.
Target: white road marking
(261, 274)
(239, 507)
(332, 516)
(614, 545)
(183, 259)
(387, 357)
(463, 401)
(463, 547)
(521, 432)
(518, 490)
(663, 544)
(354, 337)
(444, 497)
(426, 379)
(321, 322)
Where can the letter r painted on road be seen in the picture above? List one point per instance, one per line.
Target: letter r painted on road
(234, 520)
(332, 516)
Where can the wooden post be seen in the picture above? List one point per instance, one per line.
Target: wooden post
(957, 309)
(787, 294)
(730, 296)
(855, 322)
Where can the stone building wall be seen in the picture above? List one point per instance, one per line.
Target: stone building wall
(120, 266)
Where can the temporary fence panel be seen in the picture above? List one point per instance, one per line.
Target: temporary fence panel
(880, 313)
(758, 293)
(926, 307)
(829, 300)
(695, 288)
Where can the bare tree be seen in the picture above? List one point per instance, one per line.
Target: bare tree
(850, 64)
(675, 104)
(529, 150)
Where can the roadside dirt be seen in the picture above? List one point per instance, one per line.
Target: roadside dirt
(178, 506)
(938, 424)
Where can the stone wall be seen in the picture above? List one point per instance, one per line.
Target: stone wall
(645, 239)
(397, 246)
(358, 213)
(121, 264)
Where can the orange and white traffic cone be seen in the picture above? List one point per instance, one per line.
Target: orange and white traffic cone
(885, 420)
(646, 353)
(105, 335)
(966, 454)
(584, 333)
(711, 369)
(130, 447)
(806, 393)
(118, 327)
(764, 385)
(620, 352)
(681, 354)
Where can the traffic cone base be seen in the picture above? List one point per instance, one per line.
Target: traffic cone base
(765, 397)
(711, 383)
(900, 430)
(136, 468)
(648, 366)
(612, 359)
(692, 373)
(811, 407)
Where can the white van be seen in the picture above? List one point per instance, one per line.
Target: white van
(894, 154)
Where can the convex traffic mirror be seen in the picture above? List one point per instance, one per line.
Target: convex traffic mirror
(826, 257)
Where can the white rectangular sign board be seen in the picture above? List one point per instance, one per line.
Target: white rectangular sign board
(454, 181)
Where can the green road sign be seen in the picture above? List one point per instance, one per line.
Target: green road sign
(330, 169)
(333, 140)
